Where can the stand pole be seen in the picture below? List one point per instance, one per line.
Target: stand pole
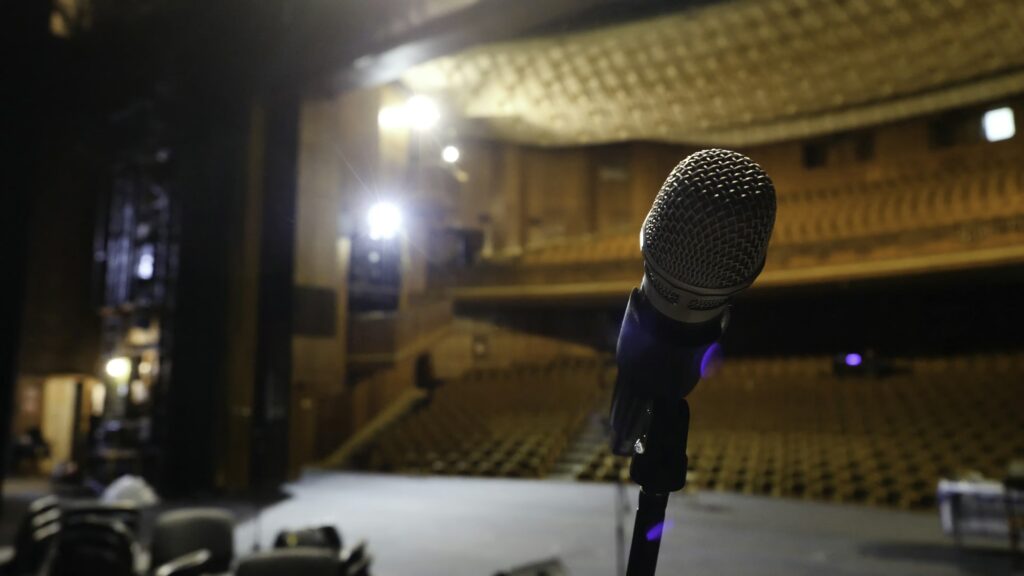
(647, 531)
(659, 467)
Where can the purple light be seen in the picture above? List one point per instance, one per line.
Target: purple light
(853, 359)
(659, 529)
(710, 359)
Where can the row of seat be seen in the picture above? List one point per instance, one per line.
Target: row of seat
(760, 428)
(509, 422)
(962, 205)
(897, 206)
(774, 426)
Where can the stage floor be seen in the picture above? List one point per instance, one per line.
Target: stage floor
(423, 526)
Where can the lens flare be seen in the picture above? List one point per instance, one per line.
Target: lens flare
(384, 220)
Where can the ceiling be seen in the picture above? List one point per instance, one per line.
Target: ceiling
(735, 73)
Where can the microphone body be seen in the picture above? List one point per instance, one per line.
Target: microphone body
(704, 240)
(660, 360)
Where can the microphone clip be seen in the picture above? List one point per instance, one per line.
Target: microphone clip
(660, 361)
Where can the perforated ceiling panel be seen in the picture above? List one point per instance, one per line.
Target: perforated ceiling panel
(737, 73)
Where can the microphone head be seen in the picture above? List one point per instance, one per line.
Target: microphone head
(706, 236)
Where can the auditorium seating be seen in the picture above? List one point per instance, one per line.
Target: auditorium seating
(940, 203)
(785, 427)
(598, 248)
(788, 427)
(498, 422)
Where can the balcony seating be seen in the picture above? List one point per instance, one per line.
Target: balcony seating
(939, 205)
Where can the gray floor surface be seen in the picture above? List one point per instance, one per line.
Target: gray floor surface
(427, 526)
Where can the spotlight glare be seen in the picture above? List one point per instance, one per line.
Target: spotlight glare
(422, 112)
(450, 154)
(384, 220)
(853, 359)
(392, 118)
(998, 124)
(118, 368)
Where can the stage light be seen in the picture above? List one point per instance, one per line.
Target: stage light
(144, 270)
(118, 368)
(999, 124)
(450, 154)
(422, 112)
(853, 359)
(385, 220)
(392, 117)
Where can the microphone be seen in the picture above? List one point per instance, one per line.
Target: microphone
(704, 240)
(706, 236)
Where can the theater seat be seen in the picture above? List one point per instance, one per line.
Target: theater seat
(93, 545)
(36, 533)
(789, 427)
(513, 422)
(180, 532)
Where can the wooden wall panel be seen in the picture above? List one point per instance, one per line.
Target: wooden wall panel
(610, 176)
(556, 194)
(475, 343)
(345, 165)
(510, 235)
(243, 283)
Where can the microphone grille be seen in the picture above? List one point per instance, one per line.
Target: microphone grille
(711, 221)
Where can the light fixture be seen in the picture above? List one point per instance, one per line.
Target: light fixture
(392, 117)
(853, 359)
(450, 154)
(384, 220)
(998, 124)
(118, 368)
(144, 269)
(422, 112)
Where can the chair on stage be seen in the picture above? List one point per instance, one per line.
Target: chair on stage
(36, 533)
(128, 514)
(193, 541)
(91, 545)
(354, 561)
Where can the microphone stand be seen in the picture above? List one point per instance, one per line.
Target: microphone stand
(660, 361)
(659, 467)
